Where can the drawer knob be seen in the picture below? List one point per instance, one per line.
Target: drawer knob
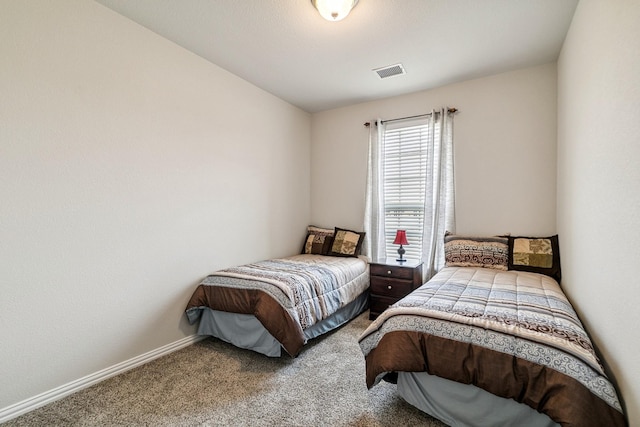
(388, 271)
(389, 287)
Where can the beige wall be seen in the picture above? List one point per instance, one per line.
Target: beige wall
(599, 181)
(129, 169)
(505, 153)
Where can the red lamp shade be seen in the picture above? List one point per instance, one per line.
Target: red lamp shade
(401, 238)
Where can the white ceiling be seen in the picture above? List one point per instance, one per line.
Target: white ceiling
(287, 49)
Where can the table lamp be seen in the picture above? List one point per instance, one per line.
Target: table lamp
(401, 239)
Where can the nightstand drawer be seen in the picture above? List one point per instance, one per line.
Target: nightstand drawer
(379, 304)
(391, 271)
(390, 287)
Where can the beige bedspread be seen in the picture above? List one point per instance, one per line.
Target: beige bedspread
(286, 295)
(511, 333)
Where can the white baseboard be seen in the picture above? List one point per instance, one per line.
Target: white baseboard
(57, 393)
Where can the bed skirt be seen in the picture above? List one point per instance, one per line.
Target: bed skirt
(246, 331)
(459, 404)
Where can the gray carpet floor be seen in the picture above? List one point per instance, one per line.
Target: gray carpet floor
(212, 383)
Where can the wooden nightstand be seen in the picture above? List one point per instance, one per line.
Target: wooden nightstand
(391, 281)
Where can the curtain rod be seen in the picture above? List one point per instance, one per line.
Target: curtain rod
(449, 110)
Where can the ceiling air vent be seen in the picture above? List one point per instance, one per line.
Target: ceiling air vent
(390, 71)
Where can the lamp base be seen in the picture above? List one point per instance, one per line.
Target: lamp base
(401, 252)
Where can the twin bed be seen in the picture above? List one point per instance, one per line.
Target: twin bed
(489, 340)
(282, 303)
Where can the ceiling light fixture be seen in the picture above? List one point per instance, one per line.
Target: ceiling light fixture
(334, 10)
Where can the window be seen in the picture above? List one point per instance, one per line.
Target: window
(405, 157)
(410, 186)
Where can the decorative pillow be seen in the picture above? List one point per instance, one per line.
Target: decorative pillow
(467, 251)
(346, 242)
(535, 254)
(318, 240)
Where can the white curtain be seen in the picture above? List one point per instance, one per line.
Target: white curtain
(374, 245)
(439, 209)
(440, 193)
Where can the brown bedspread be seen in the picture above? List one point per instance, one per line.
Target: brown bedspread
(513, 334)
(286, 295)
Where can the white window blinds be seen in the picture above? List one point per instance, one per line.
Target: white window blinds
(406, 151)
